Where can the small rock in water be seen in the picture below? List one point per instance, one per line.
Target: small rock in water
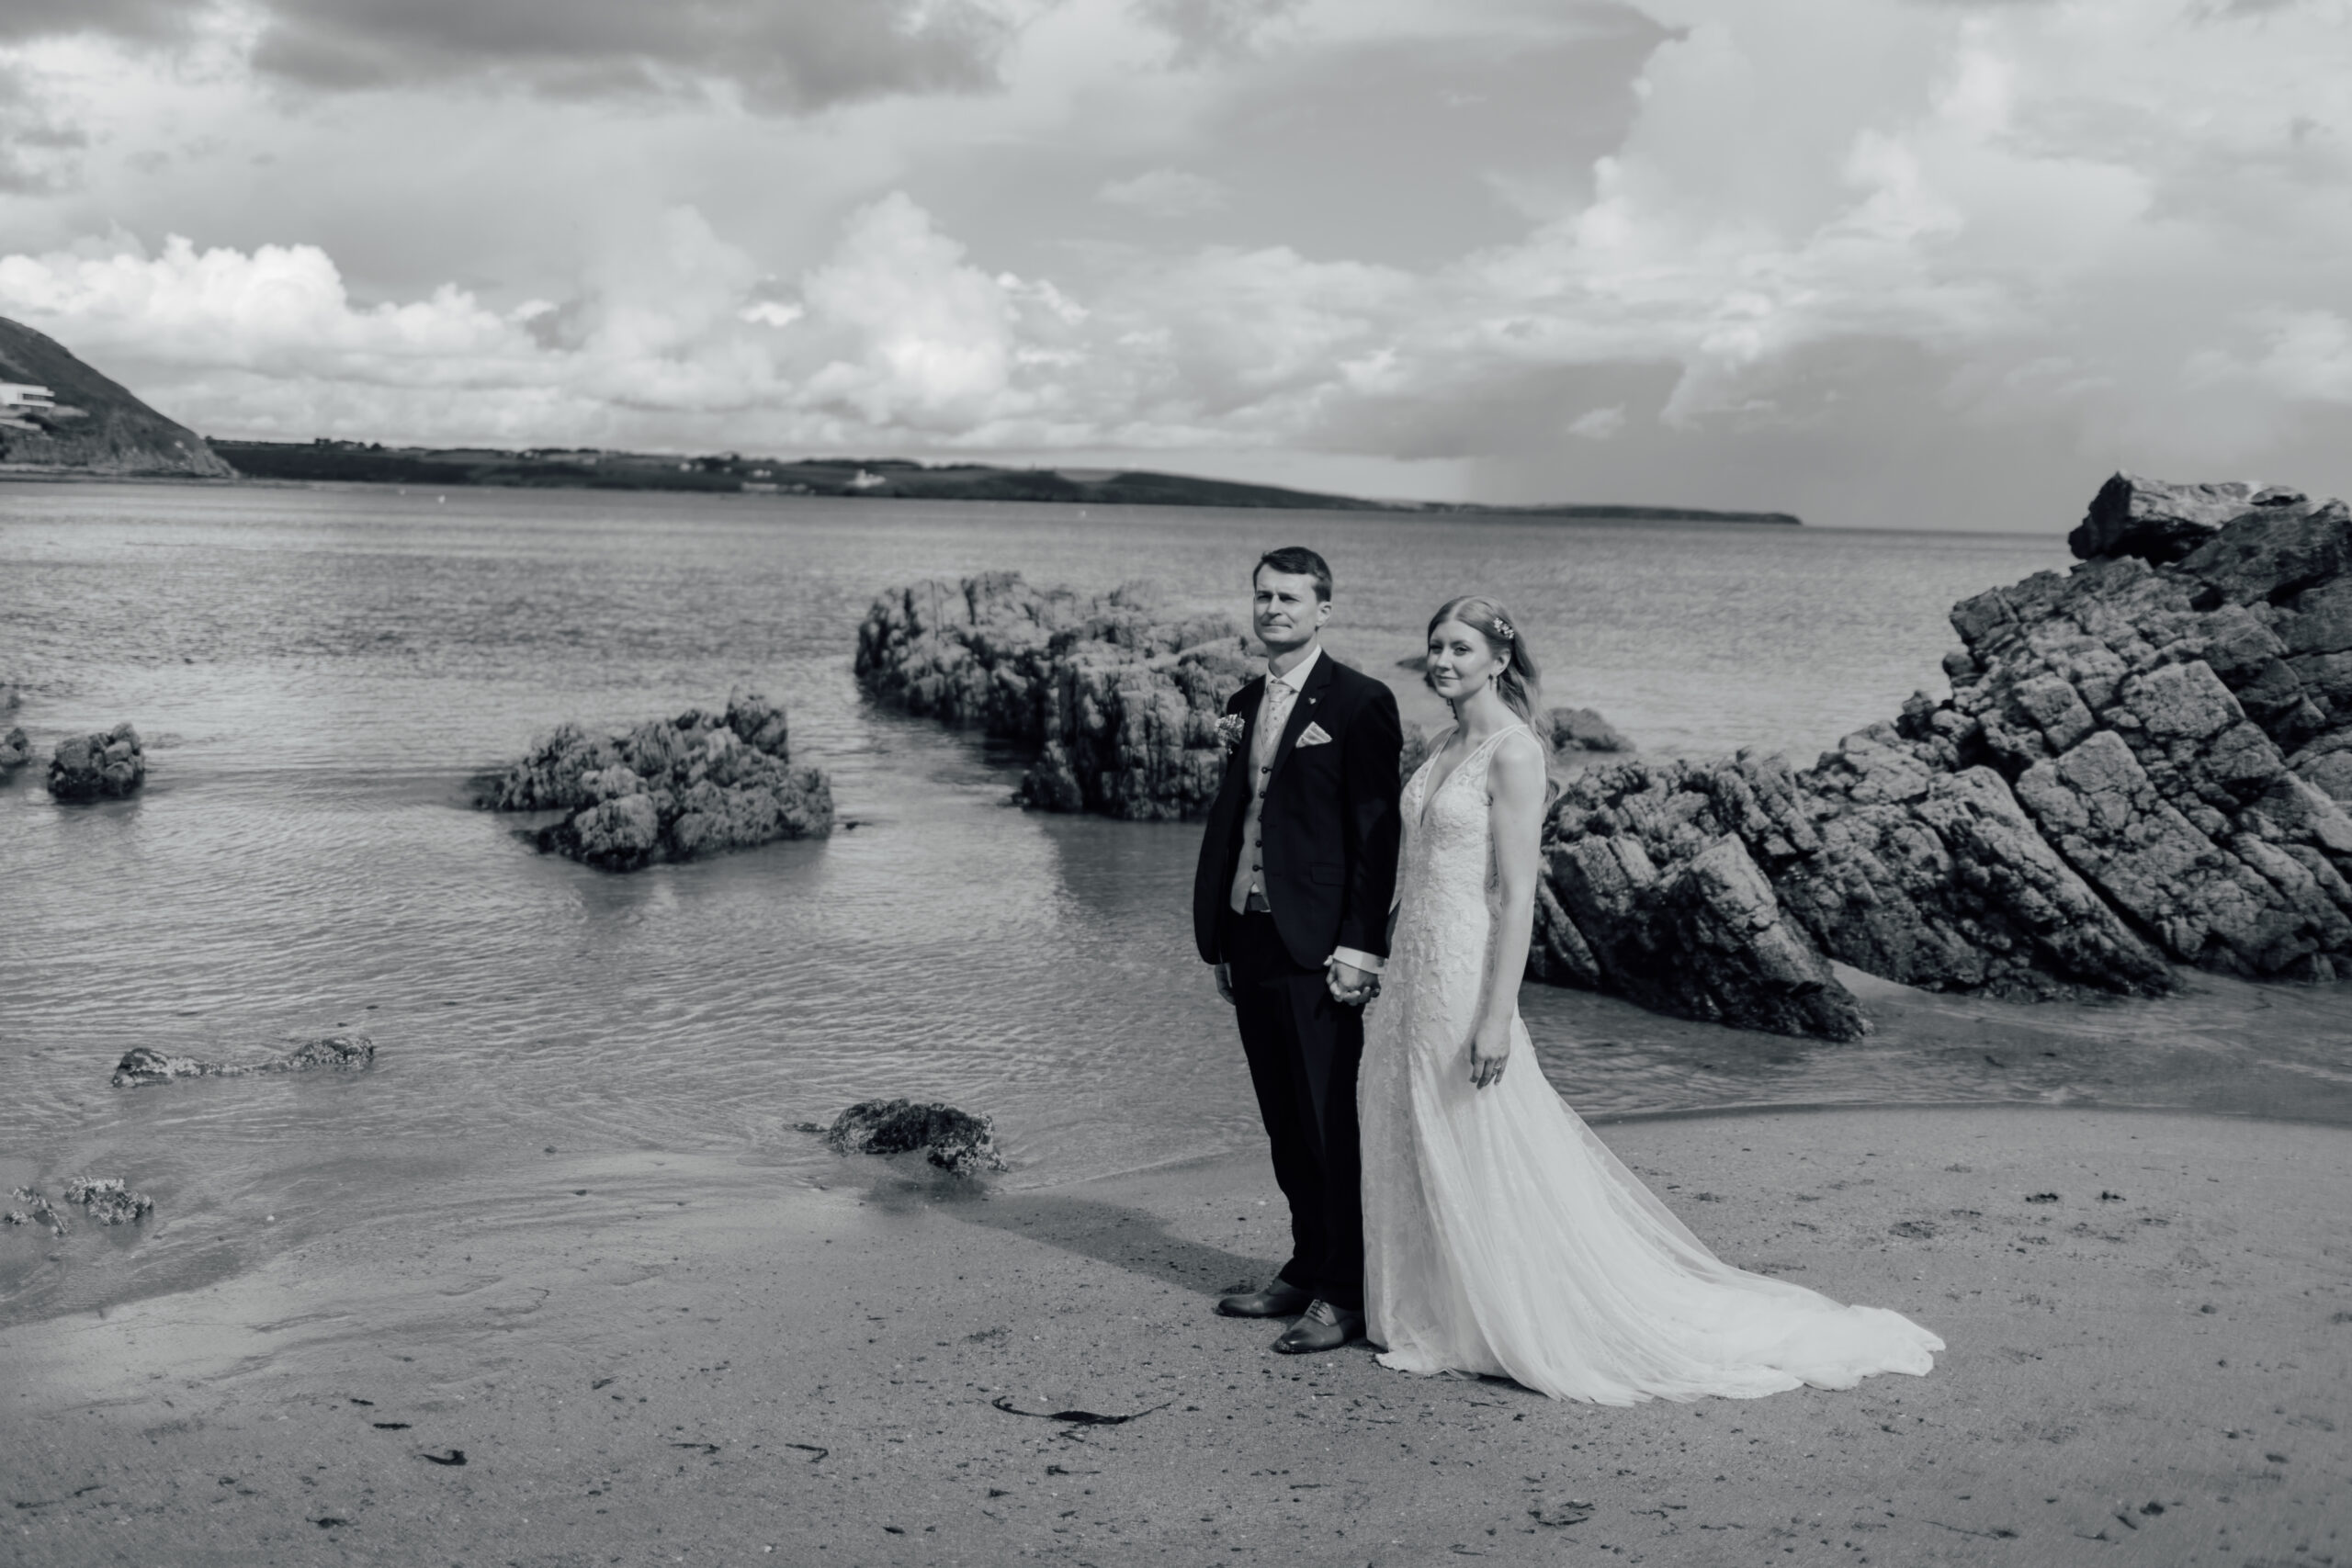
(141, 1065)
(109, 1201)
(953, 1140)
(37, 1210)
(342, 1053)
(1582, 729)
(107, 766)
(14, 749)
(669, 790)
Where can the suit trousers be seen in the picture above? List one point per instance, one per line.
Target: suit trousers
(1305, 1050)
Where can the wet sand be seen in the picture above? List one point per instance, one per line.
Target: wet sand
(767, 1374)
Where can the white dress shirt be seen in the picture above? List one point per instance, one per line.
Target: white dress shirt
(1274, 707)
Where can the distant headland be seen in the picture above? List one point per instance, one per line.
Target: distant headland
(59, 419)
(901, 477)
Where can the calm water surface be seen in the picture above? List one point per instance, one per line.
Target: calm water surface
(316, 671)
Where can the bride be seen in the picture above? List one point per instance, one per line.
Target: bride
(1500, 1236)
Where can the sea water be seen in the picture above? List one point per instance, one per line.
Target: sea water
(316, 671)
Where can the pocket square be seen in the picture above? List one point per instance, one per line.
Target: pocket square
(1312, 735)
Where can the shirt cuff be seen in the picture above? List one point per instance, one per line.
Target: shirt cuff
(1366, 961)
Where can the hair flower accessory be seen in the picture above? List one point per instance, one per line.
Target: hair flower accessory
(1231, 730)
(1504, 630)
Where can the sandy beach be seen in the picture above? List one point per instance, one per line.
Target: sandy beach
(2148, 1365)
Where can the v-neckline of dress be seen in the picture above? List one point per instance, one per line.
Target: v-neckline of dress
(1429, 795)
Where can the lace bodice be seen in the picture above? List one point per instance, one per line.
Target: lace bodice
(1446, 881)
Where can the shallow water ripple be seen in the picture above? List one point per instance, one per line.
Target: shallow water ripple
(317, 673)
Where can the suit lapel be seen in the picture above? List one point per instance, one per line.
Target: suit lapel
(1302, 714)
(1241, 759)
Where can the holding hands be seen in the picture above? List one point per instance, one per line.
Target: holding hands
(1350, 986)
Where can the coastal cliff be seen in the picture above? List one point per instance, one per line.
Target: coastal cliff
(86, 423)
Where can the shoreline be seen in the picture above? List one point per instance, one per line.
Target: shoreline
(657, 1383)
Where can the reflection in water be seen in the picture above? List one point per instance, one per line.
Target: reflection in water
(316, 672)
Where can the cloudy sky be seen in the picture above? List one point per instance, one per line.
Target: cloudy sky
(1922, 262)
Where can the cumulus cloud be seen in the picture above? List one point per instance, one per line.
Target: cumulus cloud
(1166, 193)
(2070, 243)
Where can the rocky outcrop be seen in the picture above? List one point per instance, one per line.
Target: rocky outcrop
(669, 790)
(1120, 701)
(108, 766)
(956, 1141)
(2143, 764)
(143, 1064)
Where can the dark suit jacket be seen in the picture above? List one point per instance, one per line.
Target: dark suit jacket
(1331, 823)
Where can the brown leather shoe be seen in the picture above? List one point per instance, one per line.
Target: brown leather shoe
(1325, 1327)
(1281, 1299)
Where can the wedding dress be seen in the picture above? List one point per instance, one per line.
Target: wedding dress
(1500, 1236)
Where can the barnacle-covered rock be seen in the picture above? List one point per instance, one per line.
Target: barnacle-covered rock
(668, 790)
(955, 1141)
(107, 766)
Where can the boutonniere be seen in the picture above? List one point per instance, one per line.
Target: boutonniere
(1231, 730)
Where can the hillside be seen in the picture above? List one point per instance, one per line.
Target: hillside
(93, 426)
(567, 468)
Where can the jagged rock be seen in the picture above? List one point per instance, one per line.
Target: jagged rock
(2142, 764)
(1121, 703)
(1705, 940)
(668, 790)
(2155, 521)
(142, 1064)
(1557, 954)
(953, 1140)
(2174, 730)
(1939, 879)
(108, 766)
(108, 1200)
(1582, 729)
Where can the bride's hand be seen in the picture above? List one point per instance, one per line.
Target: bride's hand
(1489, 1054)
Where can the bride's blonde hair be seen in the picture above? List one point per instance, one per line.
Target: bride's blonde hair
(1519, 680)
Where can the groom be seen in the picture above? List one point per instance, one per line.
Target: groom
(1291, 904)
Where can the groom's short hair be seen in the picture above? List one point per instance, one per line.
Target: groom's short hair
(1296, 561)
